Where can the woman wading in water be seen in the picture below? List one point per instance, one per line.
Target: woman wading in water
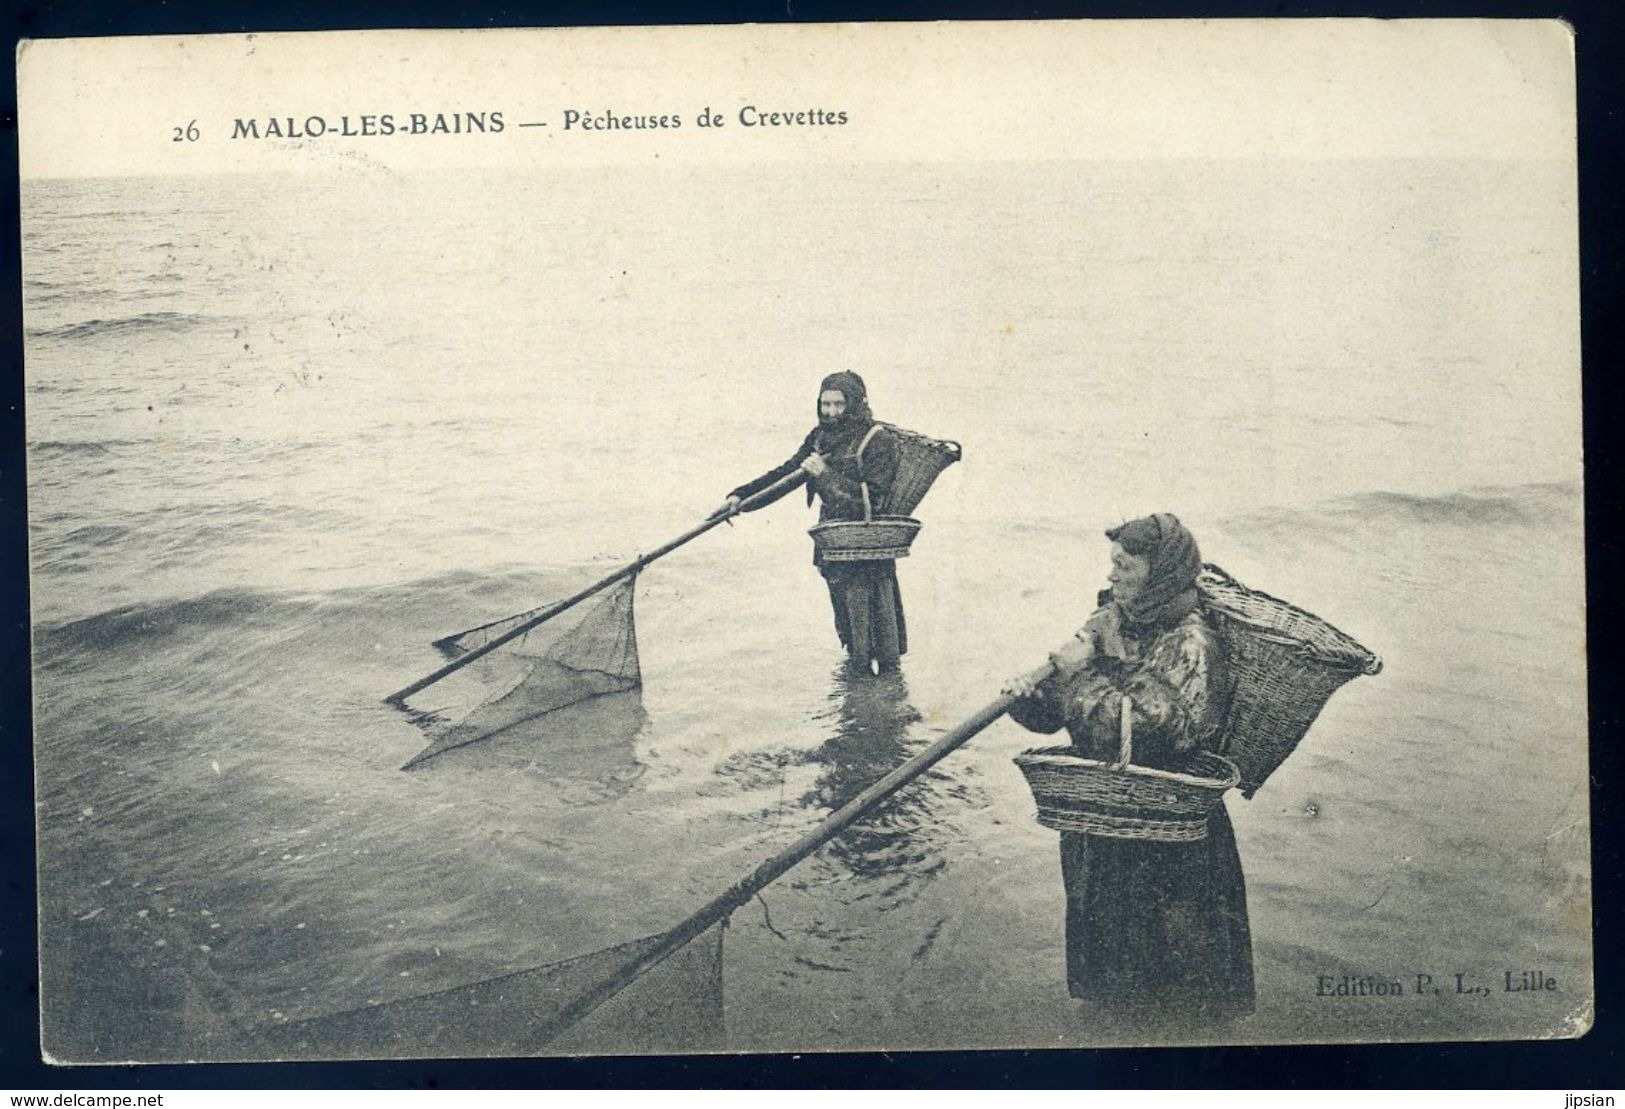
(1156, 933)
(845, 452)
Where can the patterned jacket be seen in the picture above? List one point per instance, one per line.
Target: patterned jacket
(1176, 679)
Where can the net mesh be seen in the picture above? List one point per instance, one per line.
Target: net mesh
(569, 687)
(584, 660)
(673, 1006)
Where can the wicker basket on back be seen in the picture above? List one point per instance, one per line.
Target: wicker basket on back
(1122, 801)
(1284, 664)
(919, 460)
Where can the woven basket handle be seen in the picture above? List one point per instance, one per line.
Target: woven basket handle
(1125, 733)
(868, 511)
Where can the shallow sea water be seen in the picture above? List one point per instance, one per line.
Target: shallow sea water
(285, 431)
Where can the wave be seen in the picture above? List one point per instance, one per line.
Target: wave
(117, 214)
(66, 295)
(122, 325)
(1535, 505)
(280, 613)
(78, 448)
(95, 535)
(143, 625)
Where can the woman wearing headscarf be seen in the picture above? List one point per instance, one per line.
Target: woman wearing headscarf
(1156, 933)
(844, 453)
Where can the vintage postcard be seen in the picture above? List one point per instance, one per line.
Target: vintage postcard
(806, 538)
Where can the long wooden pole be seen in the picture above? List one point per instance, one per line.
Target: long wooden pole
(782, 485)
(747, 887)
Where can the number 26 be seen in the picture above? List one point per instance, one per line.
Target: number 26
(189, 133)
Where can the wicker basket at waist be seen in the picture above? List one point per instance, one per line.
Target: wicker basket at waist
(882, 537)
(875, 538)
(1284, 664)
(1123, 801)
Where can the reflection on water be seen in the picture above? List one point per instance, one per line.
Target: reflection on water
(874, 730)
(851, 903)
(901, 842)
(872, 716)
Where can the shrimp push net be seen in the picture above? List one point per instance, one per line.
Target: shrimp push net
(570, 680)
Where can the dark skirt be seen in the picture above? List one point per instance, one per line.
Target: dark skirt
(1157, 933)
(868, 609)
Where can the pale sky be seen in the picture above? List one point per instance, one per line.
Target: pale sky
(935, 91)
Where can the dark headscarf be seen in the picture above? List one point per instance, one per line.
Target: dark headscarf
(1169, 593)
(854, 422)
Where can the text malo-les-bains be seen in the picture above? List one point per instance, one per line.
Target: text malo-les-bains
(369, 126)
